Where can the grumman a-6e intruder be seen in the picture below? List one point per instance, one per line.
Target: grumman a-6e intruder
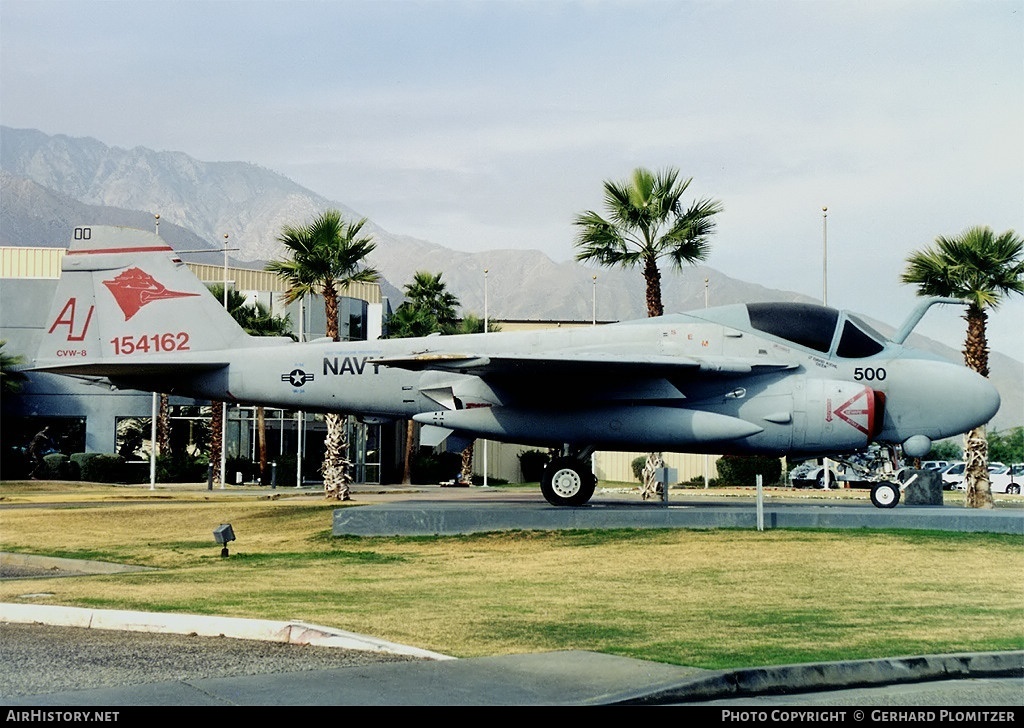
(770, 378)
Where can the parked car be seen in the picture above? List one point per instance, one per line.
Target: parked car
(934, 464)
(1002, 478)
(953, 476)
(1016, 478)
(1006, 478)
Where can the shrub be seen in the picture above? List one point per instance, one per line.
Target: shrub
(79, 460)
(744, 469)
(433, 468)
(532, 464)
(56, 466)
(697, 481)
(638, 467)
(101, 468)
(180, 470)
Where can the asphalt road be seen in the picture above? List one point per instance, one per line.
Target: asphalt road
(75, 667)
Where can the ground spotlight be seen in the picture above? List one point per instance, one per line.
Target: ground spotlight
(222, 535)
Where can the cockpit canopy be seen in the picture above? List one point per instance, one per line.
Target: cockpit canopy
(814, 327)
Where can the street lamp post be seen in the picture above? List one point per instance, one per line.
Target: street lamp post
(593, 317)
(707, 464)
(154, 406)
(824, 255)
(300, 416)
(824, 300)
(224, 405)
(486, 326)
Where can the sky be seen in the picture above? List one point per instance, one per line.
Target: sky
(491, 124)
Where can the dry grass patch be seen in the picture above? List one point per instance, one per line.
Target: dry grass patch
(702, 598)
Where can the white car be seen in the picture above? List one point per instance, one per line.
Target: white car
(1002, 478)
(953, 476)
(1006, 478)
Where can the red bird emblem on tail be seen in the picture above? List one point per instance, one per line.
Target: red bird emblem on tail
(134, 288)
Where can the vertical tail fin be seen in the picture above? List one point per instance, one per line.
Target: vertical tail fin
(125, 296)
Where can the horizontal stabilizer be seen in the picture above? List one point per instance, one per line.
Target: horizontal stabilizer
(134, 368)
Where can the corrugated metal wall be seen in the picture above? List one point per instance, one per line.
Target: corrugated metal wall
(16, 262)
(618, 466)
(503, 462)
(30, 262)
(244, 279)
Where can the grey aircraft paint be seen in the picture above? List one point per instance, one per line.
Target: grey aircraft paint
(771, 378)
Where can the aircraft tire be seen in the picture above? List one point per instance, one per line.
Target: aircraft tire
(819, 482)
(885, 495)
(567, 482)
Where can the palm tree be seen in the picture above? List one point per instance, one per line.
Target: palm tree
(429, 294)
(327, 255)
(646, 222)
(257, 320)
(470, 323)
(429, 307)
(11, 378)
(983, 269)
(408, 322)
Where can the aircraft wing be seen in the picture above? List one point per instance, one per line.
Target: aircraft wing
(579, 364)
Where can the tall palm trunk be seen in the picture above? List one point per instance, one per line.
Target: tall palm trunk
(467, 463)
(163, 426)
(216, 438)
(410, 434)
(261, 442)
(979, 488)
(976, 480)
(649, 488)
(652, 277)
(655, 460)
(337, 469)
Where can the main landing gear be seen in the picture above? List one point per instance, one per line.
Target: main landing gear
(569, 480)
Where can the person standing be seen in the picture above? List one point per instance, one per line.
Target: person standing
(40, 446)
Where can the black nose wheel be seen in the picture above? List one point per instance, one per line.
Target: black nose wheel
(885, 495)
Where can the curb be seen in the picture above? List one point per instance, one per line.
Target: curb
(293, 632)
(852, 674)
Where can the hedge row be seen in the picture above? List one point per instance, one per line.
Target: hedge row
(98, 467)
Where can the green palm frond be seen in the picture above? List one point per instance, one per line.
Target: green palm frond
(645, 220)
(11, 378)
(976, 266)
(327, 253)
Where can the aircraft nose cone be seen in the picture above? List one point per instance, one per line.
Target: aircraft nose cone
(978, 399)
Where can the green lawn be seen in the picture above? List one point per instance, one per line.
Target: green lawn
(704, 598)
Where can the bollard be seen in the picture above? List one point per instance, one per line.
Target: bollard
(760, 504)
